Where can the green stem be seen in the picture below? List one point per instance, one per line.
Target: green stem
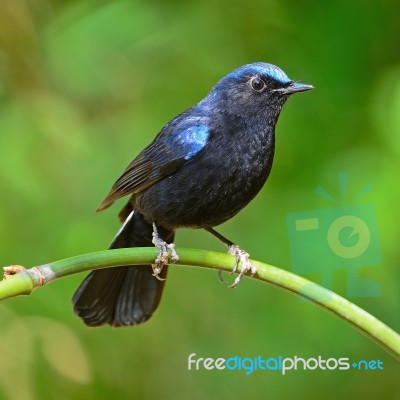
(22, 281)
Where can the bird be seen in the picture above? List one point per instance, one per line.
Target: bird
(200, 170)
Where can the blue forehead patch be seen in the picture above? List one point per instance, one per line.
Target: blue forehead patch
(274, 72)
(262, 69)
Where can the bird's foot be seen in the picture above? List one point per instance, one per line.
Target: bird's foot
(244, 259)
(163, 256)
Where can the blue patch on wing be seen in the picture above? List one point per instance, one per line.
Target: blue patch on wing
(192, 139)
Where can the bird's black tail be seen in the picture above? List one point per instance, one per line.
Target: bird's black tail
(127, 295)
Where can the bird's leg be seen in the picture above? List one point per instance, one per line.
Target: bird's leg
(244, 258)
(162, 258)
(240, 255)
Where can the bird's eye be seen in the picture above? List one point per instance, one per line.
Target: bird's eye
(257, 84)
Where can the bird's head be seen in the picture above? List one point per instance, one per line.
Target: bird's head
(257, 88)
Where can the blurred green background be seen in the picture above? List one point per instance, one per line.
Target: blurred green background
(85, 85)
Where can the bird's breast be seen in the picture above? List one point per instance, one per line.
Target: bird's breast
(216, 184)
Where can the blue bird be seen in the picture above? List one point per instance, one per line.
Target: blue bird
(201, 169)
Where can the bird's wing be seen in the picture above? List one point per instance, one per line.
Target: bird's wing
(177, 143)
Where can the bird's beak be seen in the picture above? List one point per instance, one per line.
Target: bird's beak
(294, 87)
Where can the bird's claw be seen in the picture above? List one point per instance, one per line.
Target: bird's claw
(244, 258)
(220, 277)
(163, 256)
